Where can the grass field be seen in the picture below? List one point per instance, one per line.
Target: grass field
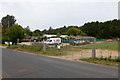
(105, 45)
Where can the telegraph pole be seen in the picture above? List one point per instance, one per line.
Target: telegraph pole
(8, 36)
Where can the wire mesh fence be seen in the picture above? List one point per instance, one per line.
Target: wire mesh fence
(68, 51)
(78, 51)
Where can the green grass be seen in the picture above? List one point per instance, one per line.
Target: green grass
(12, 47)
(103, 61)
(54, 51)
(31, 48)
(106, 45)
(3, 44)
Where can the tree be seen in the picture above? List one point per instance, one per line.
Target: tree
(4, 34)
(16, 32)
(8, 20)
(50, 31)
(27, 31)
(105, 30)
(7, 23)
(37, 33)
(58, 34)
(75, 32)
(39, 38)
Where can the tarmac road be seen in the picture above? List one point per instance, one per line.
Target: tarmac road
(22, 65)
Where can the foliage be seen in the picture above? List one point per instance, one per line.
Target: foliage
(9, 18)
(12, 47)
(31, 48)
(58, 35)
(37, 33)
(105, 30)
(50, 31)
(103, 61)
(16, 32)
(3, 45)
(4, 38)
(75, 32)
(39, 38)
(27, 31)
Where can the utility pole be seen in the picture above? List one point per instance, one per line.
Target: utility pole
(8, 35)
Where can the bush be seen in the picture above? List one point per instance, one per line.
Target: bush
(4, 38)
(32, 48)
(13, 47)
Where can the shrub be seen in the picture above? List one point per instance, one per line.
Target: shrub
(4, 38)
(32, 48)
(13, 47)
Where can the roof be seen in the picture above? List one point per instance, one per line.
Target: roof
(81, 37)
(63, 36)
(49, 35)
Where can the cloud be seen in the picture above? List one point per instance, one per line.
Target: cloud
(59, 1)
(43, 14)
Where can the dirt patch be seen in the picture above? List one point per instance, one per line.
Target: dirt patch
(87, 53)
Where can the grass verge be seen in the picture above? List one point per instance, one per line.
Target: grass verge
(103, 61)
(38, 50)
(3, 44)
(12, 47)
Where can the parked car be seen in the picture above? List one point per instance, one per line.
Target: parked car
(87, 42)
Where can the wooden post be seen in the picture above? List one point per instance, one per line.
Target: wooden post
(17, 41)
(94, 49)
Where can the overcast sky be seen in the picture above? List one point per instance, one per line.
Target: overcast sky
(41, 14)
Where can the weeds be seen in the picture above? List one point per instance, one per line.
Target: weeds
(104, 61)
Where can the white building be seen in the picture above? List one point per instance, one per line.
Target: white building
(50, 36)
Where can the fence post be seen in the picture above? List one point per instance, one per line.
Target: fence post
(93, 52)
(44, 47)
(94, 49)
(72, 52)
(64, 51)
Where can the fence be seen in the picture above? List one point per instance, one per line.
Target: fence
(77, 52)
(69, 51)
(67, 41)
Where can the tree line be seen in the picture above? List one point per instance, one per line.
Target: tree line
(104, 30)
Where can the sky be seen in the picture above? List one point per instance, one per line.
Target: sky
(41, 14)
(119, 10)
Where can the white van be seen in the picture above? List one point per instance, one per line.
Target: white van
(53, 41)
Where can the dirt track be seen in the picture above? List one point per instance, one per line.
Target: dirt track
(87, 53)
